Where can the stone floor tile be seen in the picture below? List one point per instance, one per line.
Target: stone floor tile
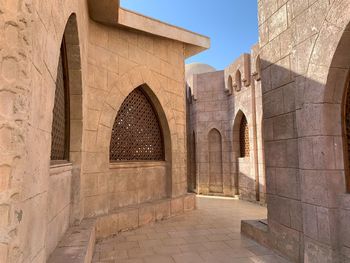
(210, 234)
(159, 259)
(167, 250)
(188, 257)
(215, 245)
(154, 235)
(126, 245)
(150, 243)
(173, 241)
(137, 237)
(140, 252)
(192, 247)
(218, 237)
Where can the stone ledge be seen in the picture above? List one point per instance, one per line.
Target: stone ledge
(133, 217)
(256, 230)
(77, 245)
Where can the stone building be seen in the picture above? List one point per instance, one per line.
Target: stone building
(79, 160)
(305, 61)
(92, 117)
(225, 148)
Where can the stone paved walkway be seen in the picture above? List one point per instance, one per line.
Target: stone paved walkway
(209, 234)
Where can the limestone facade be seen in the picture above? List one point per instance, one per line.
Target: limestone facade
(305, 61)
(303, 65)
(106, 61)
(218, 102)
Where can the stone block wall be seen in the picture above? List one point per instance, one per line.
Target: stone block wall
(120, 61)
(39, 201)
(304, 67)
(217, 101)
(32, 219)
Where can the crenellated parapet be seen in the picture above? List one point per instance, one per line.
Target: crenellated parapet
(239, 74)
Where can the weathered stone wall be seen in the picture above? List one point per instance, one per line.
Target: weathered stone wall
(216, 102)
(303, 79)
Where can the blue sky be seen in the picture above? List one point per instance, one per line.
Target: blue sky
(231, 24)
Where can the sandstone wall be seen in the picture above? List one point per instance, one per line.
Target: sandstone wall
(303, 78)
(39, 201)
(120, 61)
(216, 102)
(31, 36)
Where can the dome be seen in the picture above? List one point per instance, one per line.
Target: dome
(197, 68)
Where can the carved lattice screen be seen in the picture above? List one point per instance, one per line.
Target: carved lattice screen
(60, 122)
(136, 134)
(244, 137)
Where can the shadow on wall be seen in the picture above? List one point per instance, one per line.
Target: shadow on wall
(306, 133)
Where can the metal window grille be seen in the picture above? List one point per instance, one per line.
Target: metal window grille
(244, 137)
(136, 134)
(60, 122)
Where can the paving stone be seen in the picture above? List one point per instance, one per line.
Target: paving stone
(210, 234)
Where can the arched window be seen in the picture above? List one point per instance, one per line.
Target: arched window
(230, 84)
(137, 134)
(244, 137)
(258, 67)
(346, 132)
(238, 81)
(60, 122)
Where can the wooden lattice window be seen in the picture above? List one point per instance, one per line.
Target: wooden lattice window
(244, 137)
(137, 134)
(60, 122)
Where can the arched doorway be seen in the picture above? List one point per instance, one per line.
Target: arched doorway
(215, 162)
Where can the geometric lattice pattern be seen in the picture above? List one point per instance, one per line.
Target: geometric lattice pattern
(244, 137)
(136, 134)
(60, 122)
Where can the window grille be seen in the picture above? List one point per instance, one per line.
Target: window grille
(60, 122)
(136, 134)
(244, 137)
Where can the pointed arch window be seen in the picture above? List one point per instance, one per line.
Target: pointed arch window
(238, 81)
(137, 134)
(244, 137)
(60, 122)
